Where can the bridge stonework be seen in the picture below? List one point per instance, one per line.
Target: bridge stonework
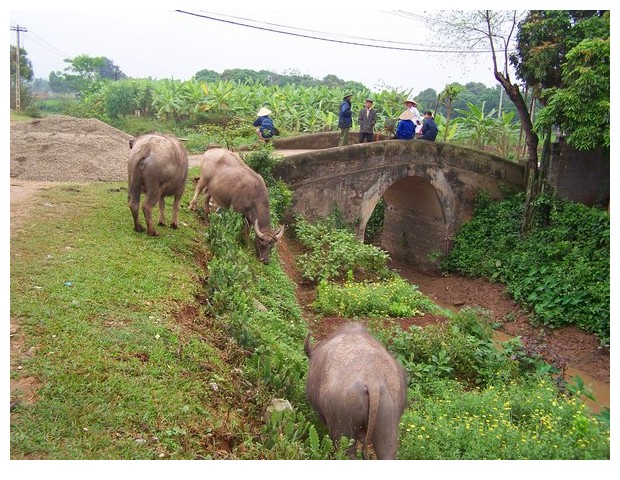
(429, 190)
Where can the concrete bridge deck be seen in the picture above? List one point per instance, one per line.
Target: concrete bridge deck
(429, 188)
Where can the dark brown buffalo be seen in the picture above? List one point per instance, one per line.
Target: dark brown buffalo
(158, 167)
(357, 388)
(226, 179)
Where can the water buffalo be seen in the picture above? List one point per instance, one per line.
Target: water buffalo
(158, 167)
(357, 388)
(232, 184)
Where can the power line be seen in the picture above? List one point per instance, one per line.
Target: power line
(410, 15)
(44, 44)
(316, 31)
(47, 46)
(313, 37)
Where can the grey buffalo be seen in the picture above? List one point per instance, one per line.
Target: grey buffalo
(357, 388)
(226, 179)
(158, 167)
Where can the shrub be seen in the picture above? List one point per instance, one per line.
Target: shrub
(462, 349)
(560, 270)
(392, 298)
(521, 419)
(333, 252)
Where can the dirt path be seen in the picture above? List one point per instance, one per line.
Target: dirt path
(22, 195)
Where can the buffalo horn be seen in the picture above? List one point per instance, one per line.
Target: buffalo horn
(279, 232)
(259, 234)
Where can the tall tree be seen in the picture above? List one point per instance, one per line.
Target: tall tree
(83, 73)
(496, 30)
(206, 75)
(565, 56)
(110, 71)
(25, 65)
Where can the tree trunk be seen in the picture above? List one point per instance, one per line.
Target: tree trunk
(531, 142)
(448, 115)
(545, 160)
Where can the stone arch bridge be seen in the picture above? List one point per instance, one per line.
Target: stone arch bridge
(429, 188)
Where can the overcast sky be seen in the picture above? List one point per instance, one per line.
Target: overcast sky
(159, 42)
(150, 39)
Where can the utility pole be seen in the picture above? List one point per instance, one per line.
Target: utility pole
(18, 86)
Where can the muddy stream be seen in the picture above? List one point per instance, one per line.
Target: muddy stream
(598, 389)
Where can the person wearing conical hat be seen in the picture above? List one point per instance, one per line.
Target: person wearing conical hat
(345, 119)
(264, 125)
(405, 130)
(412, 105)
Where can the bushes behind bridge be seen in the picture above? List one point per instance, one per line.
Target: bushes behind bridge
(560, 270)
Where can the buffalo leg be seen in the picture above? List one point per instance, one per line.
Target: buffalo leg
(200, 186)
(246, 235)
(162, 216)
(134, 207)
(207, 205)
(175, 211)
(147, 208)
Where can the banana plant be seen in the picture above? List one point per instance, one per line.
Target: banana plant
(446, 131)
(167, 99)
(476, 127)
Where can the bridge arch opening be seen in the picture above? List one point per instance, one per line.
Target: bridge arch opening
(415, 230)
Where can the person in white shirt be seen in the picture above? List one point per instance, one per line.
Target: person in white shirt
(412, 106)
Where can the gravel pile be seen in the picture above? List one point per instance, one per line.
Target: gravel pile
(60, 148)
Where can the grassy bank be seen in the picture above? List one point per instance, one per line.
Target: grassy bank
(173, 348)
(128, 362)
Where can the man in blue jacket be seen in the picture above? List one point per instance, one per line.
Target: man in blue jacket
(345, 120)
(429, 127)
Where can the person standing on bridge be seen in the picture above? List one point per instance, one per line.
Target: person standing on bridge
(429, 128)
(345, 120)
(367, 119)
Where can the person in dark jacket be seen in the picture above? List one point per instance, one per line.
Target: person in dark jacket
(345, 120)
(429, 127)
(405, 130)
(264, 125)
(367, 119)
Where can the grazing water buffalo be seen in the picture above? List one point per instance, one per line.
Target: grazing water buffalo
(158, 167)
(232, 184)
(357, 388)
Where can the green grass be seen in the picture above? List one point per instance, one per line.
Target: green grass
(124, 353)
(172, 347)
(519, 420)
(20, 116)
